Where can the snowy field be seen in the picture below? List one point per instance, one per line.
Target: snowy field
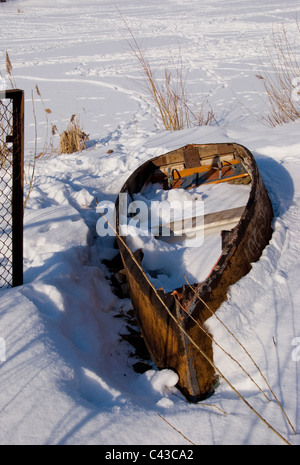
(66, 376)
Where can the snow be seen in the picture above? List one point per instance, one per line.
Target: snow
(67, 375)
(169, 261)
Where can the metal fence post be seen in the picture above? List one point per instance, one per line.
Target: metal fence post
(18, 179)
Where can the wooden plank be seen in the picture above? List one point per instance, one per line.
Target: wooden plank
(191, 157)
(209, 221)
(223, 217)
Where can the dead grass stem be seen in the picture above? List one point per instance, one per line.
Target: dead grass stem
(246, 352)
(9, 71)
(175, 429)
(47, 148)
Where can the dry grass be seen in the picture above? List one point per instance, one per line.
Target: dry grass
(248, 355)
(9, 71)
(5, 153)
(38, 152)
(280, 83)
(168, 93)
(73, 139)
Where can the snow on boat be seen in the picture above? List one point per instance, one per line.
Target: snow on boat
(189, 257)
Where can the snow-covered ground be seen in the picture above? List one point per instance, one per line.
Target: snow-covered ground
(66, 376)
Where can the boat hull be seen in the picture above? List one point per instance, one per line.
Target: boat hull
(178, 338)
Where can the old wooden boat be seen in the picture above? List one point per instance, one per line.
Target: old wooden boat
(244, 232)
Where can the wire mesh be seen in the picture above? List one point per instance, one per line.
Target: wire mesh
(6, 189)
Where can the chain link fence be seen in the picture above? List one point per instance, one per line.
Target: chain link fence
(11, 187)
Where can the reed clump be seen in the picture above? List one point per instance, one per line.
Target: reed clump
(169, 95)
(282, 81)
(74, 138)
